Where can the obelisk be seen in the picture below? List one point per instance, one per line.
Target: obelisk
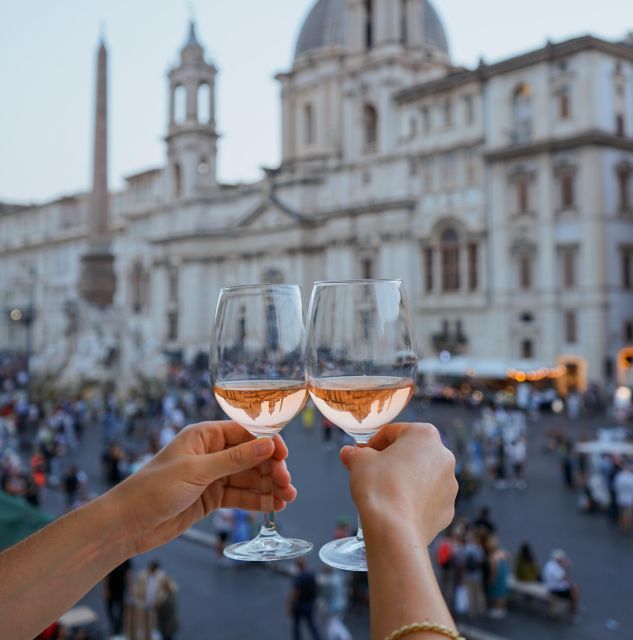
(97, 281)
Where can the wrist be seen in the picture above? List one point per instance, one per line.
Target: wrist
(121, 526)
(384, 520)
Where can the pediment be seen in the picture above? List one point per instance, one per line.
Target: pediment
(269, 215)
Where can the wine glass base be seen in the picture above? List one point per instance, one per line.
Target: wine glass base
(268, 549)
(347, 554)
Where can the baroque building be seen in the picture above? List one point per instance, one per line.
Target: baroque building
(502, 195)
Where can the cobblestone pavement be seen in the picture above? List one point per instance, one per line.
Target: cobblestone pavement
(248, 601)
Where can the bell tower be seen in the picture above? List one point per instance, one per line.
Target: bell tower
(192, 137)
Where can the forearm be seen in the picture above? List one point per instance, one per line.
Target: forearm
(402, 585)
(47, 573)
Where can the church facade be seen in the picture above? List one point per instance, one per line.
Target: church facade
(501, 194)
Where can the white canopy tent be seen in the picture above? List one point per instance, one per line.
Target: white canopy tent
(487, 368)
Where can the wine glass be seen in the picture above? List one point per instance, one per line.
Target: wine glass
(257, 359)
(360, 369)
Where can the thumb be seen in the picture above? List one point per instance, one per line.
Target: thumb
(239, 458)
(351, 454)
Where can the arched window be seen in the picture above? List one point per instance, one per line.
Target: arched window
(308, 124)
(139, 284)
(203, 165)
(180, 104)
(204, 104)
(369, 24)
(370, 128)
(564, 103)
(273, 275)
(522, 114)
(449, 249)
(177, 180)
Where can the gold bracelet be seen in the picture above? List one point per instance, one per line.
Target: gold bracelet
(425, 626)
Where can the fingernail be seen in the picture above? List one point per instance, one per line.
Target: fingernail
(262, 447)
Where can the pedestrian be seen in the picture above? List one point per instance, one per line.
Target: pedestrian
(302, 599)
(526, 568)
(623, 486)
(327, 428)
(115, 586)
(333, 591)
(474, 558)
(498, 578)
(557, 579)
(167, 609)
(71, 485)
(222, 522)
(518, 455)
(146, 591)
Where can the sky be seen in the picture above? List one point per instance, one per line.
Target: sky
(47, 58)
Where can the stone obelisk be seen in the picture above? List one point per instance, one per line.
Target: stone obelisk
(97, 281)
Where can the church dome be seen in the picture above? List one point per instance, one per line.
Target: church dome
(325, 27)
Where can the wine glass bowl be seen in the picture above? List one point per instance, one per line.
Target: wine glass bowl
(361, 364)
(257, 369)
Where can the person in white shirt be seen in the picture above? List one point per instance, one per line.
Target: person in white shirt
(623, 485)
(557, 579)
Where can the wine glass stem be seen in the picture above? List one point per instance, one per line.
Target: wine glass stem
(267, 501)
(360, 537)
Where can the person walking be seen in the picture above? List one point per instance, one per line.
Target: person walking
(115, 586)
(166, 609)
(498, 580)
(623, 486)
(474, 560)
(302, 599)
(71, 485)
(333, 590)
(146, 591)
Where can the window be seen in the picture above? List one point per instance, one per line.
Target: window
(403, 21)
(425, 116)
(564, 104)
(525, 271)
(571, 330)
(568, 264)
(527, 349)
(619, 124)
(469, 109)
(370, 128)
(449, 246)
(427, 177)
(447, 111)
(172, 285)
(471, 167)
(449, 169)
(523, 193)
(204, 103)
(367, 269)
(369, 24)
(308, 124)
(203, 165)
(180, 104)
(138, 284)
(177, 180)
(522, 114)
(473, 266)
(623, 176)
(567, 200)
(172, 325)
(428, 268)
(627, 267)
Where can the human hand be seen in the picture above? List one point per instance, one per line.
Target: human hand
(207, 466)
(403, 475)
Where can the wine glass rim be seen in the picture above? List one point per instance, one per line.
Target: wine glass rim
(321, 283)
(260, 285)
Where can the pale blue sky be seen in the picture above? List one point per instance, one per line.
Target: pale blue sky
(47, 65)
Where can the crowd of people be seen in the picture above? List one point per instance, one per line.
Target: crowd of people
(477, 574)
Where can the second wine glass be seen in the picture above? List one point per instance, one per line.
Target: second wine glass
(360, 369)
(257, 355)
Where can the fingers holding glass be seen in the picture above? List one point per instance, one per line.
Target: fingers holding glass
(257, 369)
